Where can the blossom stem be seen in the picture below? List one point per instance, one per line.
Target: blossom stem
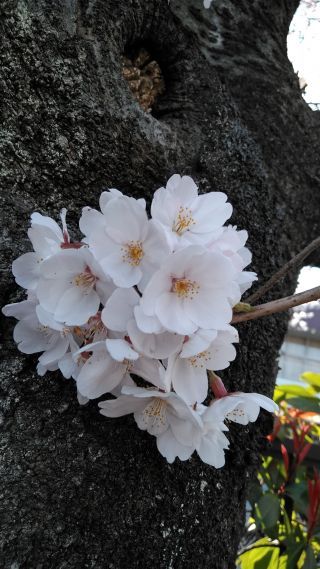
(294, 262)
(279, 305)
(217, 385)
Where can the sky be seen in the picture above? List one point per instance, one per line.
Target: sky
(304, 53)
(309, 278)
(304, 48)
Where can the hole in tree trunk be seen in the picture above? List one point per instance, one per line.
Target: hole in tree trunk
(144, 77)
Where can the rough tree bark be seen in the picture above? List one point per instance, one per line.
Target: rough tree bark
(80, 490)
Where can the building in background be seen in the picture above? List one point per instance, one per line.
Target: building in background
(300, 351)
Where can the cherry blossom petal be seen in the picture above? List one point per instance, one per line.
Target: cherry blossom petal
(213, 269)
(91, 220)
(159, 283)
(50, 291)
(173, 315)
(262, 400)
(66, 263)
(43, 221)
(29, 336)
(211, 211)
(198, 342)
(208, 310)
(81, 399)
(190, 381)
(158, 346)
(100, 374)
(123, 405)
(75, 307)
(104, 289)
(119, 309)
(147, 324)
(46, 319)
(122, 273)
(26, 270)
(19, 310)
(153, 418)
(107, 196)
(211, 453)
(166, 201)
(66, 365)
(248, 407)
(126, 220)
(156, 249)
(56, 351)
(120, 350)
(171, 449)
(245, 280)
(152, 371)
(42, 370)
(185, 429)
(220, 356)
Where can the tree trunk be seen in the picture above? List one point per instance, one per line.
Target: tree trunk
(80, 490)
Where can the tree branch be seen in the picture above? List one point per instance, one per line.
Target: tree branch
(294, 262)
(280, 305)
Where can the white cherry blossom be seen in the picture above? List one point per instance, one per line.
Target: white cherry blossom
(92, 220)
(179, 429)
(21, 310)
(188, 374)
(156, 412)
(37, 331)
(248, 407)
(109, 367)
(72, 286)
(101, 373)
(191, 290)
(119, 315)
(232, 244)
(47, 238)
(130, 247)
(187, 217)
(119, 307)
(143, 297)
(213, 442)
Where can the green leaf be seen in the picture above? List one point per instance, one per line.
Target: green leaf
(259, 557)
(254, 492)
(283, 562)
(299, 493)
(294, 553)
(268, 510)
(278, 395)
(266, 562)
(305, 403)
(296, 390)
(310, 560)
(312, 378)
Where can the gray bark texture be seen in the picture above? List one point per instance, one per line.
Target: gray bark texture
(79, 490)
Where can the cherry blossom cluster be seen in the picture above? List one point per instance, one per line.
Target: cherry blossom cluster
(147, 298)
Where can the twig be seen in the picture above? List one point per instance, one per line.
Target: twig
(280, 305)
(294, 262)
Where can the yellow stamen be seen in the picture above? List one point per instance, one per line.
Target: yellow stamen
(128, 364)
(155, 410)
(184, 288)
(132, 253)
(183, 221)
(199, 360)
(85, 280)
